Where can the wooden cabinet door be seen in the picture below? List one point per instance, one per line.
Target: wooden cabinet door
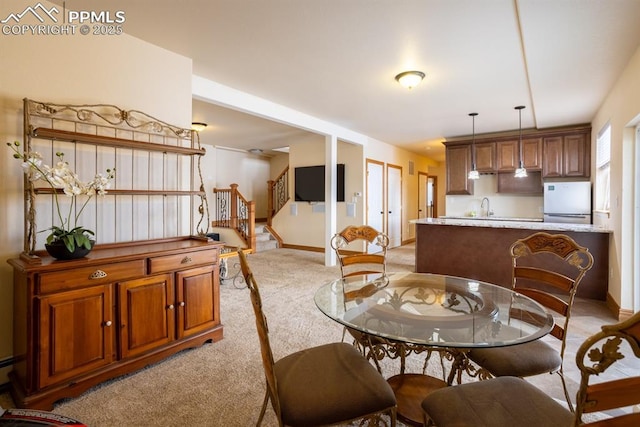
(198, 300)
(552, 149)
(507, 156)
(486, 157)
(576, 156)
(147, 314)
(76, 333)
(458, 165)
(532, 153)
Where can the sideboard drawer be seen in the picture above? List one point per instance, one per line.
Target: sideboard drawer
(182, 261)
(79, 277)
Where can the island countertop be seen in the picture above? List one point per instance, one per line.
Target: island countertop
(479, 249)
(518, 223)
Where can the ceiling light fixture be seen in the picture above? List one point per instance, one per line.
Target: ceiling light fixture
(198, 126)
(410, 79)
(473, 173)
(521, 172)
(256, 151)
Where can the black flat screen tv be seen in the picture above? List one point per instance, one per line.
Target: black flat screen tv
(309, 183)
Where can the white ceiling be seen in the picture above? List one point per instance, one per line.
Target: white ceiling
(336, 60)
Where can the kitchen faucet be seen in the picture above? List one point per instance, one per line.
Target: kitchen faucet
(489, 211)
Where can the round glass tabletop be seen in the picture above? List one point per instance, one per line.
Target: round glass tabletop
(434, 309)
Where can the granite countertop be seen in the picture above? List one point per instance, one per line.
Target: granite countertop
(523, 223)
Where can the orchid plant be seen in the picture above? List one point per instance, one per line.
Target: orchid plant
(60, 176)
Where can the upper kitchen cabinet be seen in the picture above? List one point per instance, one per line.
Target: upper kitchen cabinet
(508, 154)
(458, 161)
(562, 152)
(567, 155)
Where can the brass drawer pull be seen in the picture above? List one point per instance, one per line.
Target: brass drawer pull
(98, 274)
(186, 260)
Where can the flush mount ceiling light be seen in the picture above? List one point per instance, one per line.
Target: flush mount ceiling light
(410, 79)
(198, 126)
(473, 173)
(256, 151)
(521, 172)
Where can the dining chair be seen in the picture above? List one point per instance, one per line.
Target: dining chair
(323, 385)
(512, 401)
(356, 260)
(555, 288)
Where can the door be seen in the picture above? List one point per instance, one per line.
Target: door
(197, 300)
(147, 314)
(394, 205)
(76, 333)
(375, 199)
(423, 195)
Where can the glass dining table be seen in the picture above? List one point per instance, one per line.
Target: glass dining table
(430, 312)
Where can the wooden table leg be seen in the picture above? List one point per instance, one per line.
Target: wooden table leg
(410, 391)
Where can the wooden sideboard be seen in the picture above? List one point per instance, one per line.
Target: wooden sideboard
(80, 322)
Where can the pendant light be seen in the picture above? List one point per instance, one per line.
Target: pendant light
(521, 172)
(473, 173)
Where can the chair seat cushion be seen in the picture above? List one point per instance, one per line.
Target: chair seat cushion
(523, 360)
(502, 401)
(336, 375)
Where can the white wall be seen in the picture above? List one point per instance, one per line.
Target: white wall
(119, 70)
(505, 205)
(307, 227)
(622, 109)
(392, 155)
(222, 167)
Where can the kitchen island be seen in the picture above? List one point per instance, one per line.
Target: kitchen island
(479, 249)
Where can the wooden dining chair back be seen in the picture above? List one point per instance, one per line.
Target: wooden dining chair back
(547, 268)
(323, 385)
(509, 401)
(544, 284)
(356, 260)
(595, 356)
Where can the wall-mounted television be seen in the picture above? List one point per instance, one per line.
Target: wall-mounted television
(309, 183)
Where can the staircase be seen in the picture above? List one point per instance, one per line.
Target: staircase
(264, 240)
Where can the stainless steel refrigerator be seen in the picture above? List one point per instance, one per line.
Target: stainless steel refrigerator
(567, 202)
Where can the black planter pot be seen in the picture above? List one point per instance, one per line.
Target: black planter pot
(59, 251)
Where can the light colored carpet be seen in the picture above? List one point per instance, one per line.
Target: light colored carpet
(222, 384)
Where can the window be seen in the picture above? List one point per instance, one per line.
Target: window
(603, 162)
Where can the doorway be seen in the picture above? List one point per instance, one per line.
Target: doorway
(394, 205)
(375, 197)
(427, 196)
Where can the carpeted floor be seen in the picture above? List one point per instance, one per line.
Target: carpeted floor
(222, 384)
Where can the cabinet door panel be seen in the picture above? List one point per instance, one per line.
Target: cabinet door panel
(507, 155)
(146, 314)
(458, 161)
(532, 153)
(198, 300)
(485, 157)
(576, 160)
(76, 333)
(552, 151)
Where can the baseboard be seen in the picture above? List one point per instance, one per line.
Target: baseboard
(620, 313)
(303, 248)
(7, 362)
